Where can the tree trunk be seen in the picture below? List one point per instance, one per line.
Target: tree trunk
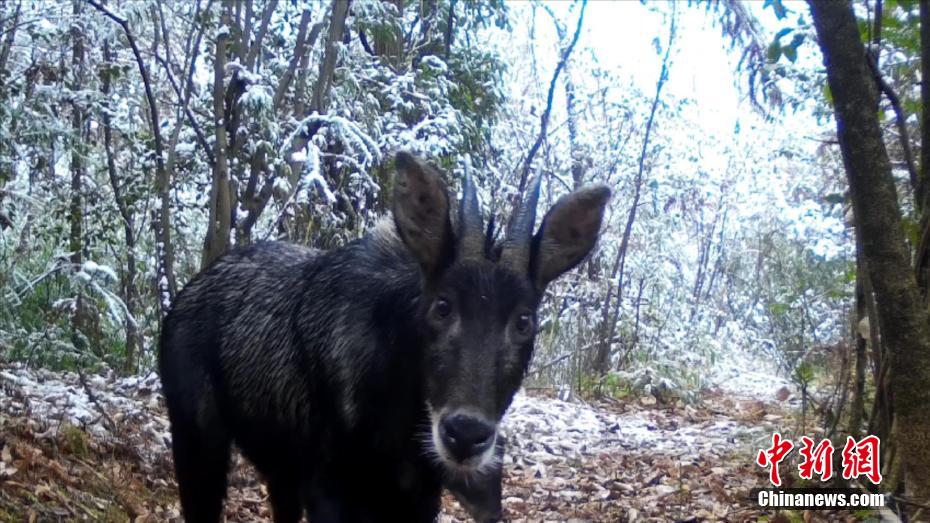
(450, 30)
(9, 36)
(76, 215)
(390, 44)
(216, 242)
(609, 321)
(128, 284)
(875, 203)
(860, 340)
(923, 198)
(164, 251)
(571, 110)
(80, 315)
(320, 100)
(255, 202)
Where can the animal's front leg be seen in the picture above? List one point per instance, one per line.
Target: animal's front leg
(407, 492)
(481, 495)
(417, 493)
(285, 499)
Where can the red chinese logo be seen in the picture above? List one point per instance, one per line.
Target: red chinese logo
(819, 460)
(862, 459)
(772, 456)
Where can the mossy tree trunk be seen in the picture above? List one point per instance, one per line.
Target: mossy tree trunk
(906, 330)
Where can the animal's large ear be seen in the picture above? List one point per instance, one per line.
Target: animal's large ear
(568, 233)
(421, 213)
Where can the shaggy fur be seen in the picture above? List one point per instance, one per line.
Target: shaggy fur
(331, 371)
(264, 348)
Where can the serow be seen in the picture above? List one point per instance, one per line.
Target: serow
(362, 380)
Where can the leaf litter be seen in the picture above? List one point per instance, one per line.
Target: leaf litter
(97, 448)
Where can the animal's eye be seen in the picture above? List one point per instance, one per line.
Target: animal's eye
(442, 308)
(525, 324)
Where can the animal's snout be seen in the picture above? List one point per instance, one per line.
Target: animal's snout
(466, 436)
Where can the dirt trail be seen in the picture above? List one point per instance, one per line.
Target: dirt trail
(97, 448)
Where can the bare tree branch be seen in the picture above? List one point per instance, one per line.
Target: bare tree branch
(900, 122)
(216, 242)
(9, 38)
(260, 37)
(340, 10)
(167, 286)
(544, 118)
(183, 94)
(610, 319)
(300, 47)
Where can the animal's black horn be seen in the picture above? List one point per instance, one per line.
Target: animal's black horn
(516, 252)
(471, 239)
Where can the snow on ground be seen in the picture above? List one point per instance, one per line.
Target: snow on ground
(536, 426)
(542, 425)
(564, 459)
(97, 404)
(761, 382)
(539, 424)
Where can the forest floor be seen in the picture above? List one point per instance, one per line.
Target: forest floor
(97, 448)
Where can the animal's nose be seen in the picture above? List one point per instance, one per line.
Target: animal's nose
(465, 436)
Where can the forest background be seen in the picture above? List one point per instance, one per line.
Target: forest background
(141, 139)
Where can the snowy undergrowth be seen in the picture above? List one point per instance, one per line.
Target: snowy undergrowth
(537, 427)
(98, 404)
(542, 430)
(760, 381)
(563, 458)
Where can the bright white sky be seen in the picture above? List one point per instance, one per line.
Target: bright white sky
(621, 35)
(700, 67)
(704, 68)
